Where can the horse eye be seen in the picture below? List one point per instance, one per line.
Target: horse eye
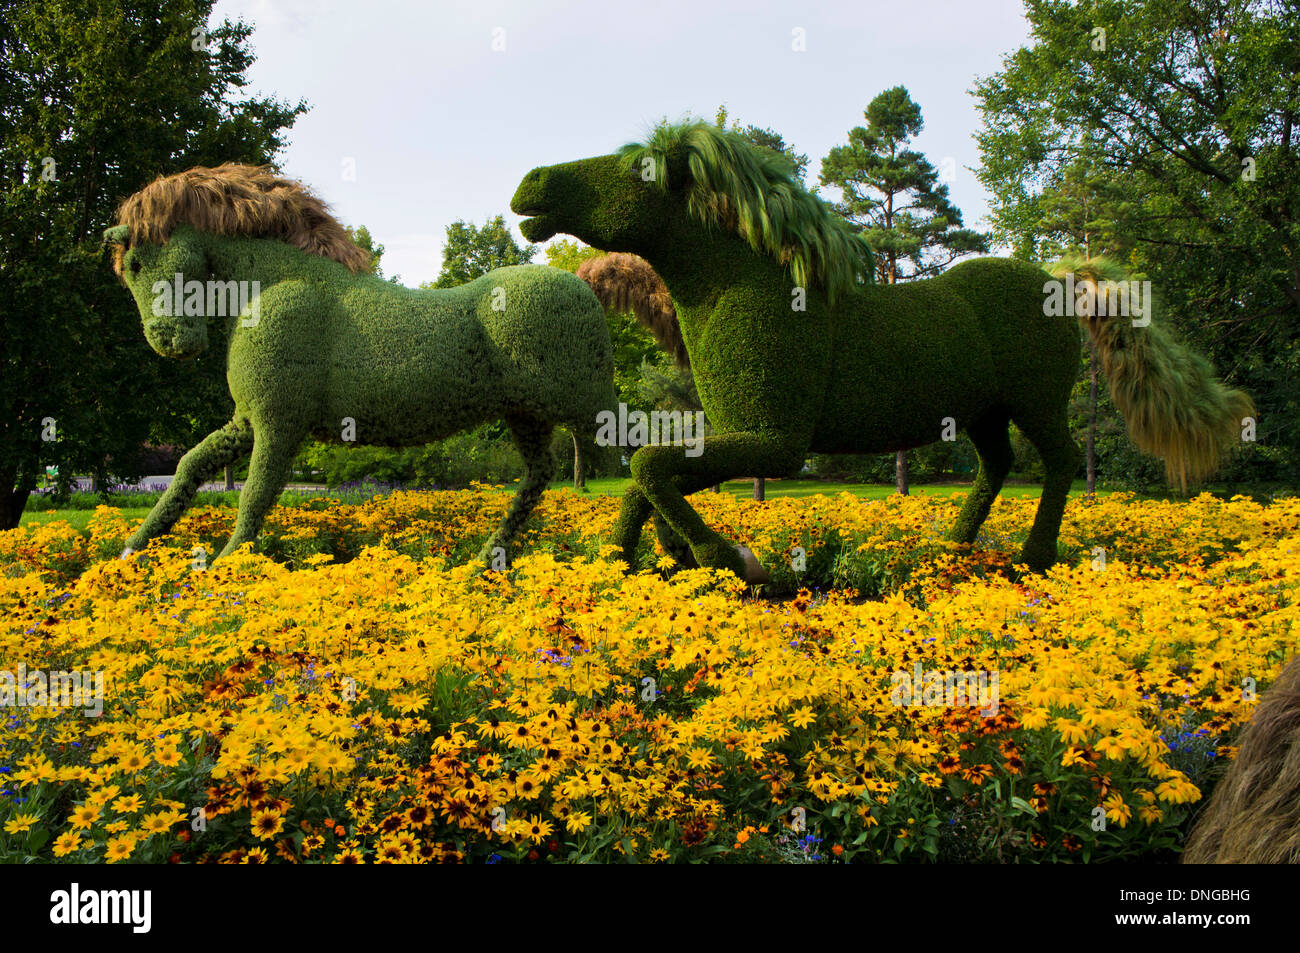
(135, 266)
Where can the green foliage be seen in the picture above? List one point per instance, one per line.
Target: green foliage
(1177, 135)
(362, 238)
(665, 386)
(96, 98)
(484, 454)
(766, 139)
(472, 251)
(893, 193)
(570, 255)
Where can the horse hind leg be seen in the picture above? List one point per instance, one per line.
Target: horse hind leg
(993, 444)
(1061, 456)
(532, 437)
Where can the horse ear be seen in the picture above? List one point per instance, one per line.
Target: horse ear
(117, 235)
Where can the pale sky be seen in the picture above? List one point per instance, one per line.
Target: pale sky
(439, 126)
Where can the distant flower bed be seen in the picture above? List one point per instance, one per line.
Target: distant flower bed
(356, 692)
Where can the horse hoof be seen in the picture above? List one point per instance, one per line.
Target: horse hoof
(754, 572)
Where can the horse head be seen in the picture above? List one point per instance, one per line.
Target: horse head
(161, 279)
(605, 201)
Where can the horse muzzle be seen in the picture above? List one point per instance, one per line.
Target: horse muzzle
(178, 339)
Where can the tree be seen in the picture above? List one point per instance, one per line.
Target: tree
(893, 194)
(569, 255)
(768, 139)
(362, 238)
(1187, 112)
(97, 97)
(1073, 220)
(472, 252)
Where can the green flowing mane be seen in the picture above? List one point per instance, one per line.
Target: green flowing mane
(753, 191)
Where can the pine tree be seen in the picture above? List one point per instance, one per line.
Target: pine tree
(894, 195)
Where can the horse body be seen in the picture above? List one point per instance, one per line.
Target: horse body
(884, 337)
(324, 351)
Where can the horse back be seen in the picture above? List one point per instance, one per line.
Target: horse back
(1036, 355)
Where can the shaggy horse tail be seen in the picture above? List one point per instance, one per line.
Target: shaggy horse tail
(1253, 816)
(626, 282)
(1173, 404)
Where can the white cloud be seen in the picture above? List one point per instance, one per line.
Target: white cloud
(416, 257)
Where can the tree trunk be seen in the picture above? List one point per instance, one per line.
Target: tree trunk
(13, 497)
(11, 507)
(760, 488)
(579, 471)
(230, 476)
(1092, 420)
(900, 459)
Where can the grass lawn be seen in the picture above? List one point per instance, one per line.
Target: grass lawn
(605, 486)
(615, 486)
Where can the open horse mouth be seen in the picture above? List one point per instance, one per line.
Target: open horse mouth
(535, 228)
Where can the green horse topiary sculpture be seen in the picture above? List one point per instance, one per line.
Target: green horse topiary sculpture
(316, 346)
(794, 350)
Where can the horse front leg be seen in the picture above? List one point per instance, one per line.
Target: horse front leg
(666, 475)
(216, 450)
(268, 472)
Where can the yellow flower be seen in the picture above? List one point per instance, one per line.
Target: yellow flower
(577, 822)
(699, 757)
(1117, 810)
(119, 848)
(128, 804)
(20, 822)
(84, 816)
(158, 823)
(266, 824)
(802, 717)
(66, 843)
(407, 702)
(538, 829)
(1071, 731)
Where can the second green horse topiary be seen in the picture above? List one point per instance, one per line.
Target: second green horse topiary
(795, 351)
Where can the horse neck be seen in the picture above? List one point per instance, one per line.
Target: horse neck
(698, 265)
(265, 261)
